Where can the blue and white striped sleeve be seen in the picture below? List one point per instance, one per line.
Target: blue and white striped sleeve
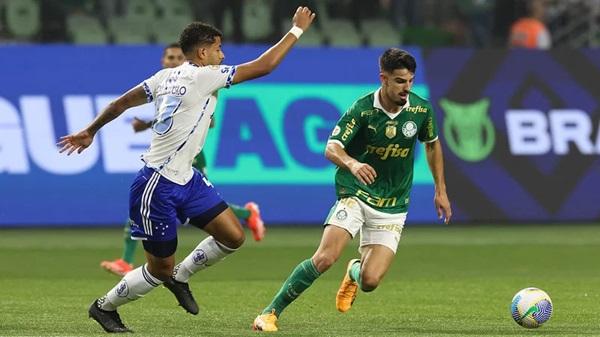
(213, 78)
(151, 84)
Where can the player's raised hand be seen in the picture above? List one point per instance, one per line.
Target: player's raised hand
(365, 173)
(75, 142)
(303, 18)
(442, 206)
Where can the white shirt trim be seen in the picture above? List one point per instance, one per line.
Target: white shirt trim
(431, 141)
(336, 142)
(377, 104)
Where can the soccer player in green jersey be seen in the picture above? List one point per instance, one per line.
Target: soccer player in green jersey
(172, 57)
(373, 147)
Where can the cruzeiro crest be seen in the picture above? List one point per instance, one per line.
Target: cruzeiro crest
(390, 129)
(468, 129)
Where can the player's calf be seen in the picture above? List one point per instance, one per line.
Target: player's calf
(369, 283)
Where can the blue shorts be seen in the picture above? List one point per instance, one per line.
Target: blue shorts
(157, 205)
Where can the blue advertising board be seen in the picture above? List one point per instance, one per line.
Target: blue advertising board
(267, 145)
(521, 131)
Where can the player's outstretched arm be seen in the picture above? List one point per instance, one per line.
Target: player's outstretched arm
(435, 160)
(365, 173)
(83, 139)
(270, 59)
(140, 125)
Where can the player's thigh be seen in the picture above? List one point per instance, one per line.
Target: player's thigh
(152, 208)
(375, 262)
(333, 241)
(226, 229)
(381, 228)
(346, 214)
(200, 201)
(205, 209)
(341, 225)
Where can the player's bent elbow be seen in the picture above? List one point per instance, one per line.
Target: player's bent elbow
(329, 153)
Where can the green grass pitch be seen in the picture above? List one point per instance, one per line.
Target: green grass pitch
(445, 281)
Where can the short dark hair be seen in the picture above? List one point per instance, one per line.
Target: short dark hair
(395, 58)
(172, 45)
(197, 34)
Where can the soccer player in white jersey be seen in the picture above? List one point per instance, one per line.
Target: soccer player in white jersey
(172, 57)
(167, 190)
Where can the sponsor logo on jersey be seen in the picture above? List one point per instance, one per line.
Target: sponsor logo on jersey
(409, 129)
(468, 129)
(415, 109)
(376, 201)
(390, 151)
(390, 227)
(349, 129)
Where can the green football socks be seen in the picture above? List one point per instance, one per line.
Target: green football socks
(355, 272)
(299, 280)
(240, 212)
(130, 245)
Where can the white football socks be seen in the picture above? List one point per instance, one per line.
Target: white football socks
(207, 253)
(132, 286)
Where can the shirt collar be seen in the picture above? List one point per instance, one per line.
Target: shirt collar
(377, 104)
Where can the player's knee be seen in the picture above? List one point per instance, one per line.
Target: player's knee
(234, 241)
(324, 261)
(161, 271)
(369, 282)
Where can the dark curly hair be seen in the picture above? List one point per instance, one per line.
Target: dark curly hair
(395, 58)
(197, 34)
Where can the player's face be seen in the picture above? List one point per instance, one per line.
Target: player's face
(213, 53)
(396, 85)
(172, 58)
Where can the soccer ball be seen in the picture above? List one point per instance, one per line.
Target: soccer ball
(531, 307)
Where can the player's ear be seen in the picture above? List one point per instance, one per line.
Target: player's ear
(383, 77)
(201, 53)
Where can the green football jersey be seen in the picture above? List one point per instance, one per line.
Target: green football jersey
(385, 141)
(199, 161)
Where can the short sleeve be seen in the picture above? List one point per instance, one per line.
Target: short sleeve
(213, 78)
(428, 131)
(151, 84)
(347, 127)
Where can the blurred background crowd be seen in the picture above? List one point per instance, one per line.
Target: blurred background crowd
(426, 23)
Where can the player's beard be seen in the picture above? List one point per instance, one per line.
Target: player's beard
(402, 101)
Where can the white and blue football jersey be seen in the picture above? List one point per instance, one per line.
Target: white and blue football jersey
(185, 98)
